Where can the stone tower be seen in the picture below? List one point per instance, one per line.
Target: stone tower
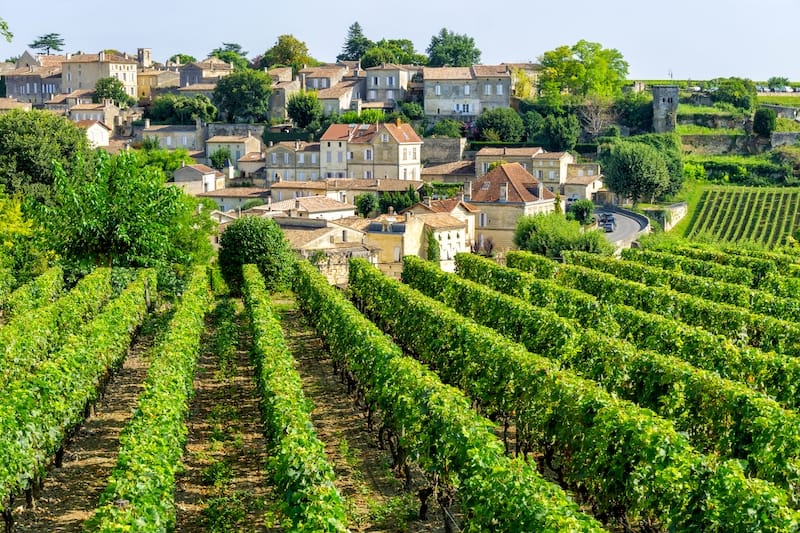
(665, 107)
(144, 57)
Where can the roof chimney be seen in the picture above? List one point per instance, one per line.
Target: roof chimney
(297, 203)
(504, 192)
(101, 56)
(399, 121)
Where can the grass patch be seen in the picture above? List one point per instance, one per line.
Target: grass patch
(694, 129)
(688, 110)
(787, 124)
(779, 99)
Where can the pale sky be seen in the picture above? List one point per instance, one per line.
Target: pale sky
(691, 39)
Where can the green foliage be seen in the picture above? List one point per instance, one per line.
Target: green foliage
(366, 203)
(432, 252)
(447, 128)
(399, 200)
(298, 464)
(397, 51)
(433, 423)
(582, 210)
(38, 292)
(449, 49)
(355, 44)
(582, 70)
(183, 59)
(244, 96)
(287, 51)
(4, 31)
(739, 92)
(111, 88)
(552, 234)
(232, 53)
(151, 444)
(304, 109)
(776, 83)
(668, 146)
(764, 121)
(636, 171)
(560, 133)
(533, 123)
(367, 116)
(259, 241)
(220, 157)
(503, 121)
(635, 110)
(178, 109)
(48, 42)
(30, 143)
(121, 214)
(412, 111)
(167, 161)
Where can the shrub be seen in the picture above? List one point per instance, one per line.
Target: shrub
(764, 121)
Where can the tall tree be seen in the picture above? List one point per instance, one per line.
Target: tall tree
(4, 31)
(399, 51)
(183, 59)
(112, 89)
(288, 51)
(777, 83)
(504, 122)
(30, 142)
(175, 109)
(355, 44)
(584, 69)
(739, 92)
(448, 49)
(47, 42)
(304, 109)
(232, 53)
(561, 132)
(244, 95)
(635, 170)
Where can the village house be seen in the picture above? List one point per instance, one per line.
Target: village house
(283, 190)
(9, 104)
(150, 80)
(388, 83)
(196, 179)
(454, 207)
(81, 71)
(172, 137)
(340, 98)
(105, 112)
(198, 89)
(455, 172)
(98, 133)
(504, 194)
(292, 161)
(463, 93)
(235, 197)
(317, 206)
(284, 86)
(209, 70)
(238, 145)
(61, 103)
(583, 182)
(33, 84)
(251, 166)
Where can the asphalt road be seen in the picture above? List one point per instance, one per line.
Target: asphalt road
(626, 227)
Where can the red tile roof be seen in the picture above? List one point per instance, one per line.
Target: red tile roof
(522, 186)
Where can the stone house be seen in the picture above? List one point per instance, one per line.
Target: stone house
(317, 206)
(150, 80)
(390, 150)
(322, 77)
(210, 70)
(33, 84)
(488, 155)
(251, 165)
(9, 104)
(284, 190)
(173, 137)
(463, 93)
(196, 179)
(583, 182)
(97, 132)
(503, 195)
(81, 71)
(292, 161)
(61, 103)
(455, 172)
(235, 197)
(454, 207)
(284, 85)
(450, 232)
(341, 97)
(388, 83)
(238, 145)
(105, 112)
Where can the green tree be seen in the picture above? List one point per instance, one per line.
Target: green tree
(367, 116)
(777, 83)
(166, 160)
(259, 241)
(398, 51)
(635, 110)
(304, 109)
(447, 128)
(183, 59)
(669, 146)
(412, 111)
(560, 133)
(366, 203)
(355, 44)
(432, 252)
(635, 170)
(244, 96)
(112, 89)
(4, 31)
(220, 157)
(739, 92)
(30, 143)
(584, 69)
(523, 87)
(178, 109)
(47, 42)
(533, 122)
(122, 214)
(582, 211)
(448, 49)
(551, 234)
(764, 121)
(504, 122)
(287, 51)
(232, 53)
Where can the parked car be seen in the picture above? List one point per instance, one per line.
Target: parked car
(609, 225)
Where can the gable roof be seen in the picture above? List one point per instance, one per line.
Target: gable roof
(312, 204)
(95, 58)
(526, 151)
(402, 132)
(337, 90)
(364, 133)
(86, 124)
(522, 186)
(444, 206)
(229, 138)
(237, 192)
(466, 168)
(441, 221)
(210, 63)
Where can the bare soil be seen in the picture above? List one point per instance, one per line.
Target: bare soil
(71, 493)
(374, 495)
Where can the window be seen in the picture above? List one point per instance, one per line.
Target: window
(483, 220)
(487, 89)
(390, 95)
(413, 173)
(371, 94)
(466, 89)
(396, 254)
(169, 141)
(313, 159)
(185, 140)
(274, 159)
(414, 153)
(499, 89)
(339, 157)
(405, 173)
(367, 174)
(551, 174)
(375, 81)
(313, 175)
(384, 137)
(390, 81)
(465, 109)
(438, 90)
(368, 154)
(301, 176)
(328, 156)
(485, 167)
(405, 153)
(286, 158)
(349, 156)
(301, 158)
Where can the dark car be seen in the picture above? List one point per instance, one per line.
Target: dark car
(609, 225)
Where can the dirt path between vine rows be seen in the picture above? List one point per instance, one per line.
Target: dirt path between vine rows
(375, 498)
(224, 486)
(71, 493)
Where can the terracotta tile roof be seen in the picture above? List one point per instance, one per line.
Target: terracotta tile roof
(403, 133)
(312, 204)
(447, 73)
(94, 58)
(491, 71)
(237, 192)
(311, 185)
(86, 124)
(441, 221)
(78, 93)
(378, 185)
(35, 71)
(166, 128)
(490, 151)
(522, 186)
(251, 157)
(198, 87)
(337, 90)
(51, 60)
(13, 103)
(354, 222)
(448, 205)
(349, 132)
(323, 71)
(205, 169)
(552, 155)
(212, 63)
(229, 138)
(524, 66)
(466, 168)
(87, 107)
(295, 146)
(386, 66)
(300, 237)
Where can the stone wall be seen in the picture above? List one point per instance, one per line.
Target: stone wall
(784, 137)
(723, 144)
(442, 150)
(667, 217)
(222, 128)
(782, 111)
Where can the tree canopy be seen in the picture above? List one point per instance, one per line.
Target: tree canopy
(739, 92)
(47, 42)
(635, 170)
(30, 143)
(448, 49)
(764, 121)
(112, 89)
(777, 83)
(304, 108)
(551, 234)
(500, 124)
(398, 51)
(4, 31)
(183, 59)
(560, 133)
(447, 128)
(178, 109)
(220, 157)
(583, 69)
(232, 53)
(355, 44)
(287, 51)
(243, 96)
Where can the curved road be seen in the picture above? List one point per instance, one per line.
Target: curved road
(626, 230)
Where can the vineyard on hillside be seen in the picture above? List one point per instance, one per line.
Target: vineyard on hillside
(747, 214)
